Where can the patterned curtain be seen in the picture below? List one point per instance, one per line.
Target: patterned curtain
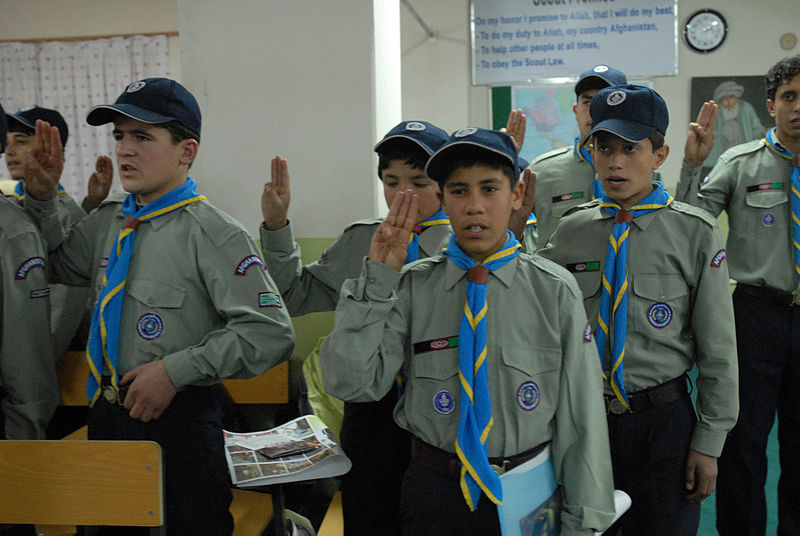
(71, 77)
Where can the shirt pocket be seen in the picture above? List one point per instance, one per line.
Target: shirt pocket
(435, 391)
(157, 312)
(660, 304)
(768, 212)
(528, 387)
(588, 282)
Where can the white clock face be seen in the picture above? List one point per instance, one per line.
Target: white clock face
(705, 31)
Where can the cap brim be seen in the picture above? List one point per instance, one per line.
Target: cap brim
(432, 169)
(14, 118)
(106, 113)
(396, 136)
(627, 130)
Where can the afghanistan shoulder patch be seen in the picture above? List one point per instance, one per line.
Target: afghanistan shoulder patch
(247, 262)
(27, 266)
(719, 256)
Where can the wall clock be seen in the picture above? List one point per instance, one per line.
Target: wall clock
(705, 30)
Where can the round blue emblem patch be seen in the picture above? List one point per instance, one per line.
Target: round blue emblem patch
(660, 315)
(444, 403)
(528, 396)
(150, 326)
(768, 219)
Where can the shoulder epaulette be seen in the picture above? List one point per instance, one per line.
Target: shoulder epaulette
(742, 149)
(424, 264)
(218, 225)
(113, 199)
(365, 221)
(555, 270)
(14, 221)
(551, 154)
(583, 206)
(694, 211)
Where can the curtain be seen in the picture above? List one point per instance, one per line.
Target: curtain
(71, 77)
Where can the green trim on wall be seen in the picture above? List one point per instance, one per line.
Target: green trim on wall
(501, 106)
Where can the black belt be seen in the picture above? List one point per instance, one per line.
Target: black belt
(447, 464)
(772, 295)
(111, 395)
(649, 398)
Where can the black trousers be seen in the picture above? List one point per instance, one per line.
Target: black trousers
(768, 343)
(648, 455)
(433, 505)
(197, 485)
(380, 452)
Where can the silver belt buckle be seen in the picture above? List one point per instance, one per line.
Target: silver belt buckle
(616, 406)
(498, 469)
(110, 394)
(796, 298)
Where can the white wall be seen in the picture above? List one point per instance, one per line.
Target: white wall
(437, 76)
(322, 50)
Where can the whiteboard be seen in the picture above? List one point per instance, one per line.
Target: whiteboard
(522, 40)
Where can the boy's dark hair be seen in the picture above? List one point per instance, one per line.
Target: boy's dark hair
(178, 132)
(656, 138)
(470, 156)
(781, 73)
(407, 151)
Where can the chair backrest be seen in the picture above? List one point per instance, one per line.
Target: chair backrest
(272, 387)
(81, 483)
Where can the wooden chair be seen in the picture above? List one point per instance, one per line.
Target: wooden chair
(250, 509)
(60, 483)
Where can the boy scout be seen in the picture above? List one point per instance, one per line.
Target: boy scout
(198, 307)
(543, 379)
(565, 177)
(662, 266)
(371, 490)
(28, 385)
(756, 184)
(69, 306)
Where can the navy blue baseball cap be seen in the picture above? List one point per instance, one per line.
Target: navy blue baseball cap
(631, 112)
(3, 130)
(28, 116)
(598, 77)
(493, 141)
(426, 135)
(153, 101)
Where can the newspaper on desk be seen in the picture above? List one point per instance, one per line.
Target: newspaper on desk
(301, 449)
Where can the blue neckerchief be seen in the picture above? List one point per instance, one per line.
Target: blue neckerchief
(440, 218)
(103, 345)
(19, 192)
(475, 419)
(615, 272)
(532, 219)
(582, 153)
(772, 142)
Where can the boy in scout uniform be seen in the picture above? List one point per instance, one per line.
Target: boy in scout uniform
(565, 177)
(69, 305)
(371, 490)
(494, 394)
(654, 280)
(183, 299)
(28, 385)
(756, 184)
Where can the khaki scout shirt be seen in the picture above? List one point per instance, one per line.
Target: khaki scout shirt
(315, 287)
(679, 304)
(752, 184)
(27, 369)
(67, 304)
(388, 322)
(562, 181)
(197, 294)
